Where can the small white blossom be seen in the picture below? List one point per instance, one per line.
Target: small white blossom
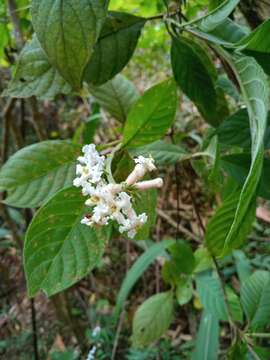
(96, 331)
(92, 352)
(108, 201)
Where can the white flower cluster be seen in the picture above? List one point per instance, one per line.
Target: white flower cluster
(110, 201)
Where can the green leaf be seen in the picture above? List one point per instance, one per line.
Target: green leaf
(229, 31)
(117, 96)
(237, 166)
(203, 260)
(210, 21)
(190, 70)
(207, 342)
(258, 40)
(163, 153)
(184, 291)
(255, 90)
(67, 32)
(235, 130)
(59, 250)
(152, 319)
(218, 228)
(234, 305)
(183, 257)
(146, 203)
(137, 269)
(243, 266)
(115, 47)
(34, 76)
(255, 298)
(152, 115)
(211, 294)
(33, 174)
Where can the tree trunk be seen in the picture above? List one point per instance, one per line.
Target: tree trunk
(255, 11)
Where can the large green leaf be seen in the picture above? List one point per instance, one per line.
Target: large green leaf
(67, 32)
(34, 76)
(32, 175)
(255, 90)
(152, 319)
(218, 228)
(163, 153)
(137, 269)
(207, 339)
(152, 115)
(237, 166)
(255, 298)
(229, 31)
(217, 16)
(211, 294)
(58, 249)
(116, 96)
(115, 47)
(258, 40)
(194, 74)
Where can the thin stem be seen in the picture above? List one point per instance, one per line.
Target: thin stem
(34, 329)
(258, 335)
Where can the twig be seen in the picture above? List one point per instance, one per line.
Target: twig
(34, 329)
(118, 332)
(181, 228)
(5, 129)
(16, 23)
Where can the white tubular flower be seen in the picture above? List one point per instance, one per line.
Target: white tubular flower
(108, 201)
(143, 166)
(149, 184)
(131, 226)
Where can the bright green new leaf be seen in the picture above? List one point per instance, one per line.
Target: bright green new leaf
(137, 269)
(184, 291)
(152, 319)
(33, 174)
(116, 44)
(117, 96)
(194, 75)
(255, 298)
(183, 257)
(67, 32)
(163, 153)
(217, 16)
(207, 339)
(34, 76)
(59, 250)
(152, 115)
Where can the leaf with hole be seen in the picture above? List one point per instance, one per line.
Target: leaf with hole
(34, 76)
(152, 115)
(33, 174)
(59, 250)
(114, 48)
(117, 96)
(152, 319)
(67, 32)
